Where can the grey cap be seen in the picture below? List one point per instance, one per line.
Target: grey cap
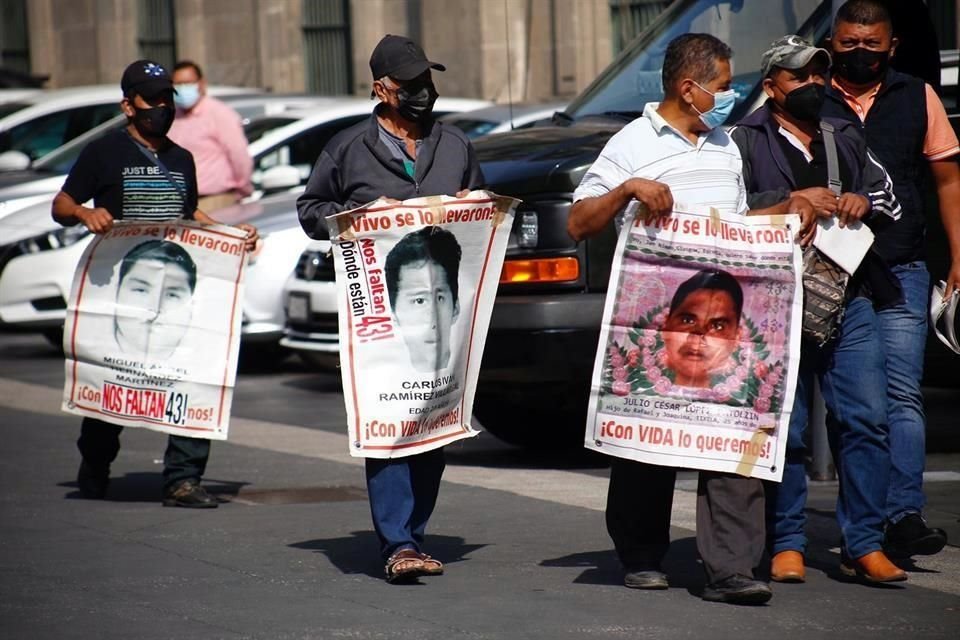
(790, 52)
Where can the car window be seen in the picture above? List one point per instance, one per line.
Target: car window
(302, 149)
(42, 135)
(256, 129)
(633, 79)
(7, 108)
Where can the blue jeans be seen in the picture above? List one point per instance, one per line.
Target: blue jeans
(904, 331)
(403, 493)
(853, 382)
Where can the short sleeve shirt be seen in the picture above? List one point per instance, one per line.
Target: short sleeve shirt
(119, 177)
(706, 174)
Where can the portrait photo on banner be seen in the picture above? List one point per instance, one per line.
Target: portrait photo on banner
(693, 328)
(155, 304)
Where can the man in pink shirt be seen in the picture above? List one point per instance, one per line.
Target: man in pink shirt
(213, 133)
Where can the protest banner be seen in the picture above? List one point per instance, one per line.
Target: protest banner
(700, 344)
(416, 283)
(153, 327)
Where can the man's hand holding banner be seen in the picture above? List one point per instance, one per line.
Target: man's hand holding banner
(153, 327)
(416, 282)
(700, 344)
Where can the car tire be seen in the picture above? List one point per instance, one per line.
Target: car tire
(55, 338)
(557, 423)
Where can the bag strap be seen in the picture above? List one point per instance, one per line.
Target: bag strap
(833, 163)
(166, 172)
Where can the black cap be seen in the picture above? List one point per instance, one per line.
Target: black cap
(400, 58)
(145, 78)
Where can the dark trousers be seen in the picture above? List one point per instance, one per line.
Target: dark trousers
(730, 518)
(184, 459)
(403, 493)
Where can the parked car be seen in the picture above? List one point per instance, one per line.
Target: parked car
(501, 118)
(46, 174)
(35, 277)
(309, 295)
(534, 381)
(38, 123)
(38, 257)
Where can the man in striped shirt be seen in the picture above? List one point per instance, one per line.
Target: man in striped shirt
(137, 173)
(677, 153)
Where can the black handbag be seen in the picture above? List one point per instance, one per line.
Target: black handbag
(824, 282)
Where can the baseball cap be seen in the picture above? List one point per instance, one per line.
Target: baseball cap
(790, 52)
(146, 78)
(400, 58)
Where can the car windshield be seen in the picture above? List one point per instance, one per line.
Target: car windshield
(473, 127)
(633, 79)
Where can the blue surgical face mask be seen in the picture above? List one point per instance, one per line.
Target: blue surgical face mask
(723, 102)
(187, 95)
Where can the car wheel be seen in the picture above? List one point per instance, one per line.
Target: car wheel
(320, 360)
(55, 338)
(555, 422)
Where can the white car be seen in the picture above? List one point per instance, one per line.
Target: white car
(38, 123)
(310, 306)
(502, 118)
(36, 273)
(297, 142)
(34, 285)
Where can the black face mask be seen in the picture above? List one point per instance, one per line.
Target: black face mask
(804, 103)
(416, 102)
(153, 122)
(861, 66)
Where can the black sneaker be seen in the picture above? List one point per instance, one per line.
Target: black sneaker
(649, 578)
(92, 482)
(191, 495)
(911, 536)
(738, 590)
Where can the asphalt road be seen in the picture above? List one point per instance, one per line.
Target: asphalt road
(291, 554)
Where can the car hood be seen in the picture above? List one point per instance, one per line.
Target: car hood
(31, 183)
(543, 159)
(27, 222)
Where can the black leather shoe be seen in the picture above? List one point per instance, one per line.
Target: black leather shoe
(92, 482)
(645, 579)
(191, 495)
(911, 536)
(738, 590)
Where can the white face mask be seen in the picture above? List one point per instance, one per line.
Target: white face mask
(187, 95)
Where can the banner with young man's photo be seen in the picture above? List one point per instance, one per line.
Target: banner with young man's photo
(416, 282)
(153, 327)
(700, 343)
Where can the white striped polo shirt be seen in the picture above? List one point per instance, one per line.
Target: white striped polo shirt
(706, 174)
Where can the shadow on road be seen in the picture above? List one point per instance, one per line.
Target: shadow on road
(358, 553)
(603, 568)
(142, 486)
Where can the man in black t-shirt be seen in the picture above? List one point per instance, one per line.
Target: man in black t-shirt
(137, 173)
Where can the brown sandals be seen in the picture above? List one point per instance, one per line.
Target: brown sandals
(408, 564)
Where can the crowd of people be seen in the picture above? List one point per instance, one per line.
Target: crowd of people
(841, 135)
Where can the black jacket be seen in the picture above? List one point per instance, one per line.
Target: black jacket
(356, 168)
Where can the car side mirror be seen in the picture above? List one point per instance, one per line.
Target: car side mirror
(280, 178)
(14, 161)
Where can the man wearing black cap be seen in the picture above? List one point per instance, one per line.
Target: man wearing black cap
(137, 173)
(401, 152)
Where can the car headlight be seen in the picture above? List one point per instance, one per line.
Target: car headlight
(57, 239)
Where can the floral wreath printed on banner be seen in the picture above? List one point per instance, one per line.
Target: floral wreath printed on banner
(748, 379)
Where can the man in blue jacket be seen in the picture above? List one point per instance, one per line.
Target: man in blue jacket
(785, 154)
